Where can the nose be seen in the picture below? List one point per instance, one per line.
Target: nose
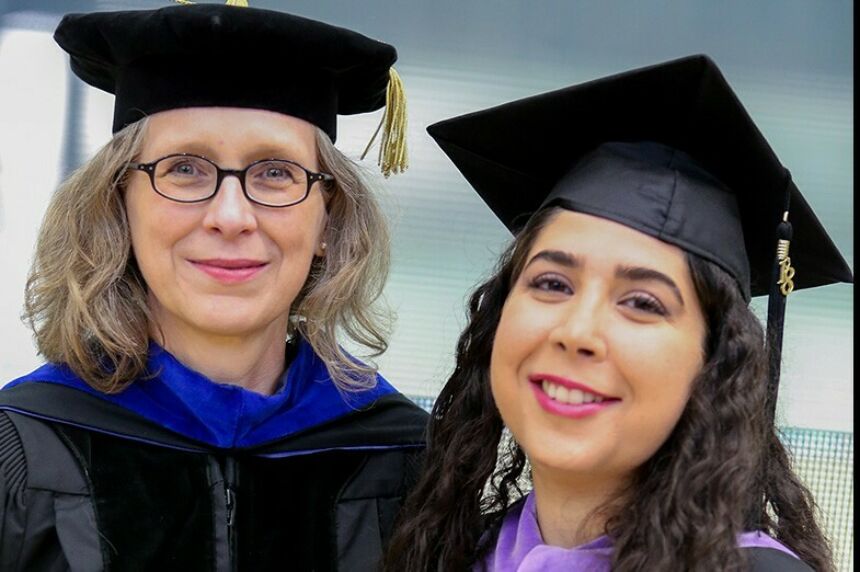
(580, 327)
(229, 212)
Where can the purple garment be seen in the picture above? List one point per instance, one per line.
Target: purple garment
(520, 547)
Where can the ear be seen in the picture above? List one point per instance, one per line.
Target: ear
(321, 245)
(327, 194)
(319, 251)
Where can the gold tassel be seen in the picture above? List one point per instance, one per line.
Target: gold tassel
(392, 149)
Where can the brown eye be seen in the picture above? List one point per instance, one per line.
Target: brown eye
(645, 303)
(551, 283)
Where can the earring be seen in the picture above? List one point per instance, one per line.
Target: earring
(323, 246)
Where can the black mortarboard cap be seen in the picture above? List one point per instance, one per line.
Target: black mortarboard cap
(668, 150)
(201, 55)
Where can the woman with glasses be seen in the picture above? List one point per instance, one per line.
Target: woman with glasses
(612, 406)
(188, 291)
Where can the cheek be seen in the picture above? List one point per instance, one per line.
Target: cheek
(153, 232)
(501, 371)
(516, 340)
(296, 240)
(509, 341)
(140, 226)
(661, 381)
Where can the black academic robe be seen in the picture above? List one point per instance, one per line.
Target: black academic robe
(86, 485)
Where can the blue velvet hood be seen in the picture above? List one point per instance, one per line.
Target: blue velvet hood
(187, 403)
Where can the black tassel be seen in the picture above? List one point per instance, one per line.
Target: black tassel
(780, 286)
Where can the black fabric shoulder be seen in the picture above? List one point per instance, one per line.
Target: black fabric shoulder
(772, 560)
(70, 406)
(13, 462)
(391, 421)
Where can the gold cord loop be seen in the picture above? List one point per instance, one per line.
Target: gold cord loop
(786, 271)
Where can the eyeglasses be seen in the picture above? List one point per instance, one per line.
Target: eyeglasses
(187, 178)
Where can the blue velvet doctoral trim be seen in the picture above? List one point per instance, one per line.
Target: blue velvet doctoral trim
(225, 416)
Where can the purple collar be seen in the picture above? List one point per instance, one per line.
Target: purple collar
(520, 547)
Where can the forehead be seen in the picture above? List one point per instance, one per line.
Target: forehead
(228, 126)
(602, 243)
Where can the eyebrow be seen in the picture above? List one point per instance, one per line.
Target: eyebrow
(641, 273)
(276, 152)
(556, 256)
(632, 273)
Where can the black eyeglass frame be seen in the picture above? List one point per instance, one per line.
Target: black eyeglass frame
(221, 174)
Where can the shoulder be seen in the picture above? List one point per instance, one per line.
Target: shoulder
(13, 463)
(773, 560)
(49, 405)
(388, 423)
(34, 456)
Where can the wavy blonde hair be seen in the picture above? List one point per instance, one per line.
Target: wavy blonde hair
(85, 298)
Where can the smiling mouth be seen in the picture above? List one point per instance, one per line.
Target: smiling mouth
(230, 264)
(562, 394)
(230, 270)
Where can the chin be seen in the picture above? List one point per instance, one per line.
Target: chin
(574, 464)
(233, 318)
(577, 460)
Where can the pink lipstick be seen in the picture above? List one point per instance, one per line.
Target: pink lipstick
(230, 270)
(568, 398)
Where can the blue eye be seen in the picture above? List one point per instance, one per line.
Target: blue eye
(645, 303)
(268, 176)
(184, 167)
(276, 174)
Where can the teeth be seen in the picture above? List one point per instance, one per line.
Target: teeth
(570, 396)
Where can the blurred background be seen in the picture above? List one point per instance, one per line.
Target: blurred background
(790, 62)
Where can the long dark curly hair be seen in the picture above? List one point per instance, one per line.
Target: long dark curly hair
(723, 470)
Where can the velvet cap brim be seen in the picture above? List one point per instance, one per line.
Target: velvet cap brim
(226, 56)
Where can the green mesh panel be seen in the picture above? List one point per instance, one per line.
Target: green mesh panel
(824, 460)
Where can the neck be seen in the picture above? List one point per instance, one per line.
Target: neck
(253, 361)
(568, 509)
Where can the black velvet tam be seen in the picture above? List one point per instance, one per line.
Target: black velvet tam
(218, 55)
(668, 150)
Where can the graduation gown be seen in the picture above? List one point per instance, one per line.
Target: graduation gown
(180, 473)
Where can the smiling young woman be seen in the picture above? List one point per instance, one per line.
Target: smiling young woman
(594, 357)
(611, 364)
